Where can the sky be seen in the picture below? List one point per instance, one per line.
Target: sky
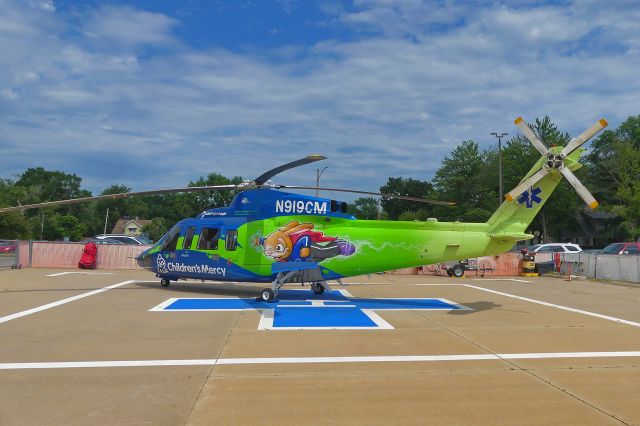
(154, 94)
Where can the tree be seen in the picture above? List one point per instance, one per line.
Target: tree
(462, 178)
(156, 228)
(365, 208)
(407, 187)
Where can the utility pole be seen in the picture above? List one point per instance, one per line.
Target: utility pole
(106, 217)
(499, 136)
(318, 174)
(42, 227)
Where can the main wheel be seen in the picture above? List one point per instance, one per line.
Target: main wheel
(165, 282)
(457, 270)
(317, 288)
(267, 295)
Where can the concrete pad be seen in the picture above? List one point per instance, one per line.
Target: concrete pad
(117, 396)
(116, 325)
(477, 397)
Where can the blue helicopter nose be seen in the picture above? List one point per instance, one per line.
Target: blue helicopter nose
(144, 259)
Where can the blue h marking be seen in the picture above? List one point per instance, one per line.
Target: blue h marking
(332, 310)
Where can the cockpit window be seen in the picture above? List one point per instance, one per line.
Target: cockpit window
(208, 239)
(170, 239)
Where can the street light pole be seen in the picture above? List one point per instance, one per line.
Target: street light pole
(499, 136)
(318, 174)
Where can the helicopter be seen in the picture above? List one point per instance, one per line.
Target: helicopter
(267, 235)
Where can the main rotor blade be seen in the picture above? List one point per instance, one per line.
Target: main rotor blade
(585, 136)
(301, 162)
(117, 196)
(582, 191)
(379, 194)
(529, 134)
(525, 184)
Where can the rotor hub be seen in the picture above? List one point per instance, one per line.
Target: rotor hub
(554, 161)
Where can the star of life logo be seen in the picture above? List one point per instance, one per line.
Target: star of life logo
(299, 310)
(530, 196)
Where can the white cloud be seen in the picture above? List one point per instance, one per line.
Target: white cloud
(416, 79)
(124, 24)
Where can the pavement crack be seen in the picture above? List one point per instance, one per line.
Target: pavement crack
(211, 370)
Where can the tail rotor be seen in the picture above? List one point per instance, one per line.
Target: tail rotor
(557, 161)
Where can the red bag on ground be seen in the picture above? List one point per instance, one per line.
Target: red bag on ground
(89, 255)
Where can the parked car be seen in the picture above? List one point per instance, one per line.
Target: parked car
(126, 239)
(622, 248)
(554, 248)
(102, 241)
(7, 247)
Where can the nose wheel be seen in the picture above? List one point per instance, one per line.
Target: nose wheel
(317, 288)
(267, 295)
(165, 282)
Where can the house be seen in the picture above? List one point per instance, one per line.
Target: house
(131, 227)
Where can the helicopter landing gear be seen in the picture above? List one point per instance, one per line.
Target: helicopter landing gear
(267, 295)
(320, 287)
(164, 282)
(317, 287)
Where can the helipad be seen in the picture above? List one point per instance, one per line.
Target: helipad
(108, 349)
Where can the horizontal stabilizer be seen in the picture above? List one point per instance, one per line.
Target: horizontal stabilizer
(510, 236)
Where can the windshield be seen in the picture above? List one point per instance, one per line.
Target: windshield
(612, 249)
(533, 247)
(169, 240)
(144, 240)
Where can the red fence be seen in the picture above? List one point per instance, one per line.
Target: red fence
(506, 264)
(46, 254)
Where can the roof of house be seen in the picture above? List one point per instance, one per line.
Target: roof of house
(121, 224)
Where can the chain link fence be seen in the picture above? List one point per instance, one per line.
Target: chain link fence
(612, 267)
(56, 254)
(9, 254)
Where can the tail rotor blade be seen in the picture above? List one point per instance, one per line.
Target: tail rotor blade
(585, 136)
(582, 191)
(526, 184)
(529, 134)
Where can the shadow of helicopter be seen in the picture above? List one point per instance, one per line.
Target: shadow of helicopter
(242, 290)
(480, 306)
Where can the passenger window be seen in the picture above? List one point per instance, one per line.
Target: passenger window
(188, 238)
(232, 240)
(572, 248)
(632, 250)
(558, 249)
(208, 239)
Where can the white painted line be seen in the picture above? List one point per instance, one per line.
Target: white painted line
(314, 360)
(163, 305)
(79, 272)
(373, 316)
(345, 293)
(501, 279)
(62, 302)
(565, 308)
(459, 306)
(266, 319)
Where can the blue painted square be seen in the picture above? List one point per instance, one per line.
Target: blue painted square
(321, 317)
(303, 309)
